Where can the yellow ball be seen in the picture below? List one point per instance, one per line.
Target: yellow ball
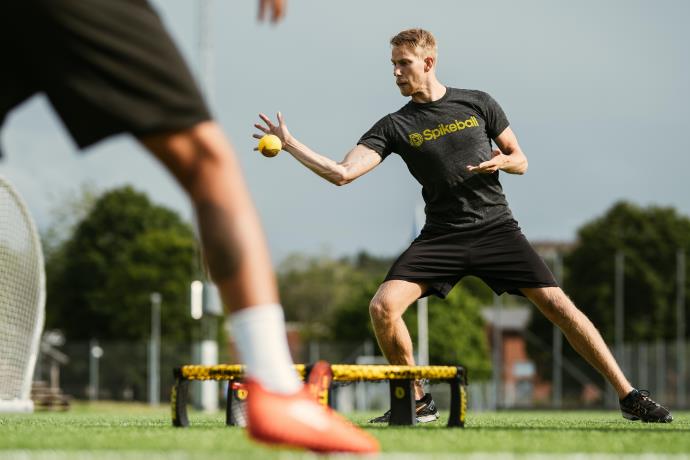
(270, 145)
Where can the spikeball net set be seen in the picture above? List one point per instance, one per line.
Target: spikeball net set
(401, 381)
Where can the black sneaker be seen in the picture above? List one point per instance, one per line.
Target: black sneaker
(425, 407)
(639, 406)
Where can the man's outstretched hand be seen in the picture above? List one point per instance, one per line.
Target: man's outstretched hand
(269, 128)
(490, 166)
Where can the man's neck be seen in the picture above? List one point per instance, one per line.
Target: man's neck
(430, 93)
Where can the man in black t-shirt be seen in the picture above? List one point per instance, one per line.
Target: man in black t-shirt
(444, 135)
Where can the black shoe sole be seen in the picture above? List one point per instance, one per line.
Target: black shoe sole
(420, 419)
(634, 418)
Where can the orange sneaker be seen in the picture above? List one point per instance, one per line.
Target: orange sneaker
(299, 421)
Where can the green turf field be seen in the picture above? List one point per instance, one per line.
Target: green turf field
(131, 431)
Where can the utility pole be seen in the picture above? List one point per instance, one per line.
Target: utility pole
(95, 354)
(155, 350)
(619, 306)
(207, 346)
(558, 343)
(680, 327)
(422, 305)
(206, 47)
(497, 340)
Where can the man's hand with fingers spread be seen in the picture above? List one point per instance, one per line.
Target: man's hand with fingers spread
(269, 128)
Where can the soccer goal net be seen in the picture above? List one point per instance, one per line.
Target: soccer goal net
(22, 300)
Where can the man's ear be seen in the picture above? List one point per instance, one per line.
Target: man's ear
(429, 63)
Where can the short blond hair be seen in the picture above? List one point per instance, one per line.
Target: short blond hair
(416, 38)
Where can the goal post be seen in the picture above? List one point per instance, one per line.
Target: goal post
(22, 300)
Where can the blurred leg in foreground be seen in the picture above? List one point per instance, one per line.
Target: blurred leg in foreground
(111, 67)
(279, 408)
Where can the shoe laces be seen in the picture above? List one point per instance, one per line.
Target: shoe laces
(644, 401)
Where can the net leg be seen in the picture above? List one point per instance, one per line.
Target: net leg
(236, 413)
(178, 402)
(458, 399)
(402, 402)
(229, 419)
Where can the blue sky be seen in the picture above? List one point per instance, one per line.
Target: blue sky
(598, 94)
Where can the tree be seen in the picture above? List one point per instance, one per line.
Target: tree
(100, 279)
(351, 321)
(330, 297)
(310, 288)
(649, 239)
(457, 333)
(66, 212)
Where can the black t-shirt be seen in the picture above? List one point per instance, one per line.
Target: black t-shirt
(437, 140)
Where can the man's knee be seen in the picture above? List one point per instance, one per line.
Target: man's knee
(377, 310)
(381, 310)
(392, 299)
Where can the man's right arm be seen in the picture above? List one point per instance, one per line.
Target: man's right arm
(359, 161)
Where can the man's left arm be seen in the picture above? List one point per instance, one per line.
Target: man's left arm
(507, 157)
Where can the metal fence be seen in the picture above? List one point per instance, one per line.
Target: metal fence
(656, 366)
(116, 371)
(119, 371)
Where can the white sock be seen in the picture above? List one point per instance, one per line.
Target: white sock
(261, 340)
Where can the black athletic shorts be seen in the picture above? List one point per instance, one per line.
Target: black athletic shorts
(501, 256)
(107, 67)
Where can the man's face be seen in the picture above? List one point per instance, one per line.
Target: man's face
(408, 70)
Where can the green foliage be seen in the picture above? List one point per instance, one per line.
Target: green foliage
(100, 280)
(478, 289)
(66, 212)
(649, 238)
(456, 331)
(329, 297)
(310, 288)
(351, 321)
